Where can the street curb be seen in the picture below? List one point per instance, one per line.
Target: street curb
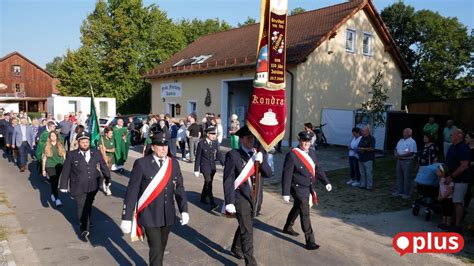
(6, 256)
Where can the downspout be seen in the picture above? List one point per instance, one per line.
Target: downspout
(291, 107)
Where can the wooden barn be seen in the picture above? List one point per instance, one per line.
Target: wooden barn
(25, 83)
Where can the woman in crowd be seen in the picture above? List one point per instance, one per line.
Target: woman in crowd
(354, 158)
(469, 139)
(219, 130)
(182, 138)
(234, 127)
(429, 153)
(52, 163)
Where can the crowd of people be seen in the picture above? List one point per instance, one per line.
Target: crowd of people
(450, 173)
(62, 149)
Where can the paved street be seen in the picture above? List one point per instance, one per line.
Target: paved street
(47, 235)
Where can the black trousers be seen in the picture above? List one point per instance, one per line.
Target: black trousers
(207, 187)
(157, 238)
(66, 141)
(301, 207)
(243, 238)
(54, 174)
(84, 208)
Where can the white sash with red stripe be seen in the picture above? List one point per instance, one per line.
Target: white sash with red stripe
(311, 166)
(156, 186)
(247, 172)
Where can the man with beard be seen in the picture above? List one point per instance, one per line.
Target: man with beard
(81, 176)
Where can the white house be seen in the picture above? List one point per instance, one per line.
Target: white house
(105, 107)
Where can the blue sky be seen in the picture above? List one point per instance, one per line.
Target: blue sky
(43, 29)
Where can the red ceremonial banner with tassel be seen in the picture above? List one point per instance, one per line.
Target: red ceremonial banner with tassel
(267, 112)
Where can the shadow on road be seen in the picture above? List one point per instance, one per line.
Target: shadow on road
(203, 243)
(105, 232)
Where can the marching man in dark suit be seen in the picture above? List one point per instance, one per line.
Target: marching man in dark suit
(206, 154)
(81, 176)
(300, 171)
(149, 203)
(239, 172)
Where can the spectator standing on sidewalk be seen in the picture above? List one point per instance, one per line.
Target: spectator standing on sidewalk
(447, 136)
(366, 158)
(219, 130)
(182, 139)
(52, 164)
(173, 132)
(194, 134)
(469, 139)
(431, 128)
(457, 160)
(430, 152)
(234, 127)
(354, 158)
(405, 153)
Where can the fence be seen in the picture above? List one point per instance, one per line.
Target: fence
(461, 111)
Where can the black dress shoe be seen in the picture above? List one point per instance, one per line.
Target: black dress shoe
(85, 236)
(290, 231)
(312, 246)
(238, 255)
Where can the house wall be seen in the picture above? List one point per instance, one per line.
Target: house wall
(334, 78)
(61, 105)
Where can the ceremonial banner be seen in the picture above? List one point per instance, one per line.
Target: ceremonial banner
(267, 112)
(93, 124)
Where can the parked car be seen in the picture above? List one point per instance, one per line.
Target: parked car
(104, 122)
(135, 137)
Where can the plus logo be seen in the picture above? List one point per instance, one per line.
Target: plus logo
(427, 242)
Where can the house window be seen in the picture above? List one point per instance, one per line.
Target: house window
(17, 88)
(367, 44)
(16, 69)
(350, 41)
(192, 107)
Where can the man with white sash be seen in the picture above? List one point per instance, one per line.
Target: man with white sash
(239, 171)
(155, 182)
(300, 171)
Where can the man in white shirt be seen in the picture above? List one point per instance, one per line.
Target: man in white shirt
(405, 152)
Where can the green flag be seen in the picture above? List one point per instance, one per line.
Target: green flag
(94, 124)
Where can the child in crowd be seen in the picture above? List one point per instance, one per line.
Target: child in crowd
(445, 197)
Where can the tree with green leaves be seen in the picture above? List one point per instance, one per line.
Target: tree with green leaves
(375, 106)
(297, 10)
(248, 21)
(193, 29)
(53, 66)
(121, 41)
(437, 49)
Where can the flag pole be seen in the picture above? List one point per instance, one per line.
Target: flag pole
(102, 150)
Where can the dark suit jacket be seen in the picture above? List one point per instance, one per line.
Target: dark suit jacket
(297, 178)
(206, 157)
(81, 177)
(9, 134)
(235, 161)
(161, 210)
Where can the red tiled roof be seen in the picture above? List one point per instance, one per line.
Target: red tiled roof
(237, 48)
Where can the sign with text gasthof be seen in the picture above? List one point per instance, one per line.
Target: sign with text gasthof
(171, 90)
